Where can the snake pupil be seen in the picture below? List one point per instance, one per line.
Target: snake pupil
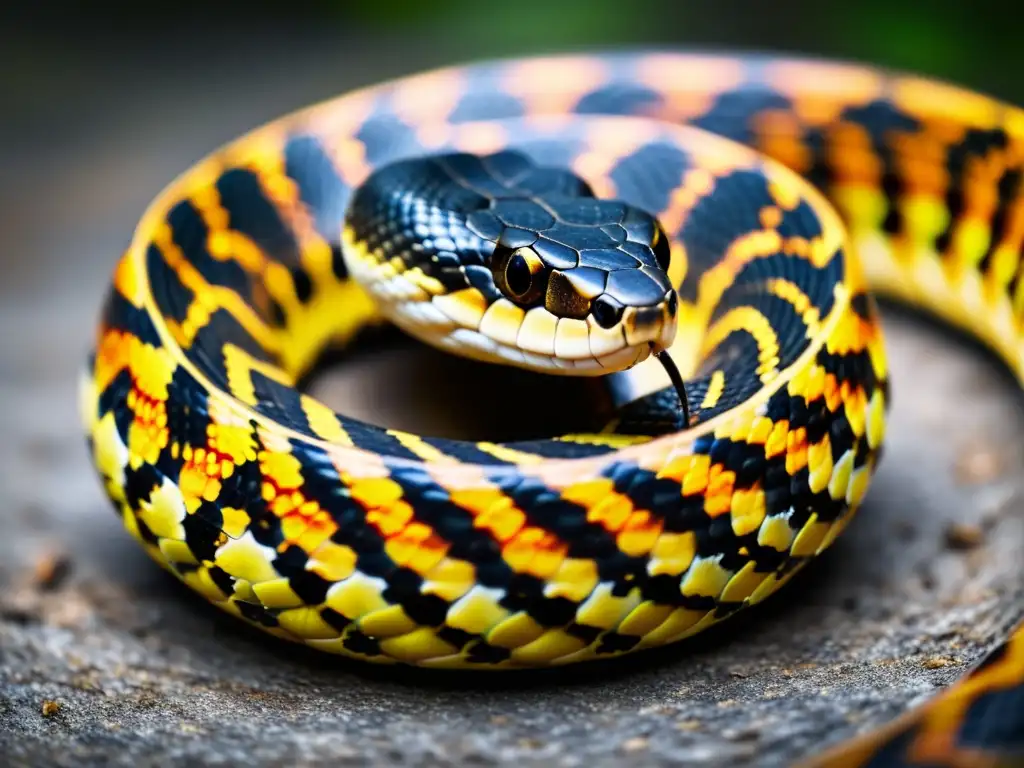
(607, 311)
(518, 275)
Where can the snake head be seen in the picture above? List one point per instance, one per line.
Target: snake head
(521, 264)
(590, 275)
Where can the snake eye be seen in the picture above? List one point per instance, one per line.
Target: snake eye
(661, 247)
(606, 310)
(521, 274)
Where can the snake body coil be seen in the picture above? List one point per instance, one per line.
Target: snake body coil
(569, 215)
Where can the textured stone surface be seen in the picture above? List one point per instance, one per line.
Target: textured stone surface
(104, 659)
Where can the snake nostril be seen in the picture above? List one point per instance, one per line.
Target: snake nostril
(607, 311)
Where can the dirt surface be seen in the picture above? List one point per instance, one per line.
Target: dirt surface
(106, 660)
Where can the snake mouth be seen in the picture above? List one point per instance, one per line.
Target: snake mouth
(474, 344)
(537, 340)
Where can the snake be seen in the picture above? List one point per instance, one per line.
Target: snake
(698, 237)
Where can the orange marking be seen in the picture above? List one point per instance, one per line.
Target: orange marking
(770, 217)
(553, 84)
(502, 520)
(428, 97)
(611, 512)
(796, 450)
(921, 160)
(689, 83)
(349, 156)
(534, 551)
(718, 498)
(390, 519)
(780, 136)
(832, 393)
(820, 91)
(148, 434)
(112, 355)
(416, 547)
(697, 478)
(640, 534)
(851, 156)
(492, 511)
(777, 441)
(127, 281)
(941, 102)
(196, 485)
(481, 138)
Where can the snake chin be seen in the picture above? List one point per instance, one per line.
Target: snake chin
(592, 352)
(476, 345)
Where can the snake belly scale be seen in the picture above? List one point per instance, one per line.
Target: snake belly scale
(571, 215)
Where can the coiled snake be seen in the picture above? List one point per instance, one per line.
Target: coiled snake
(576, 215)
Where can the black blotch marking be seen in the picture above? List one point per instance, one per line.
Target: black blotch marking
(620, 98)
(172, 298)
(257, 613)
(482, 653)
(357, 642)
(458, 638)
(337, 620)
(976, 143)
(732, 115)
(114, 399)
(225, 582)
(613, 642)
(120, 314)
(251, 213)
(383, 135)
(647, 176)
(139, 484)
(311, 587)
(190, 233)
(291, 562)
(187, 409)
(303, 285)
(486, 105)
(404, 589)
(320, 188)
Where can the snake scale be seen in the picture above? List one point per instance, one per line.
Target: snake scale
(591, 215)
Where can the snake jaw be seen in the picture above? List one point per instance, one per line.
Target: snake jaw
(537, 340)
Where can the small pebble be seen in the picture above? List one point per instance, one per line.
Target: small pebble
(50, 708)
(746, 733)
(963, 536)
(636, 744)
(978, 464)
(937, 662)
(51, 570)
